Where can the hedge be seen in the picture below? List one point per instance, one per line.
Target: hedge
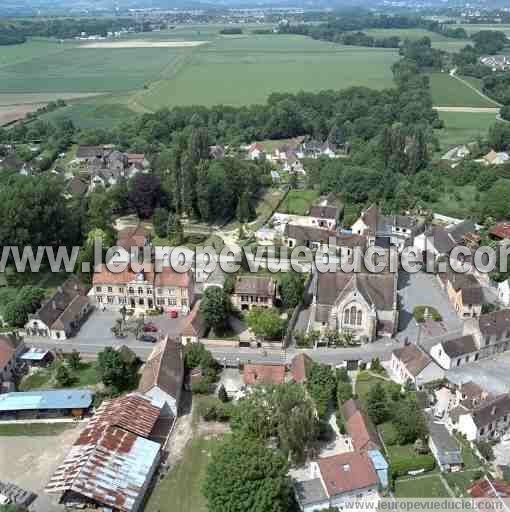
(402, 465)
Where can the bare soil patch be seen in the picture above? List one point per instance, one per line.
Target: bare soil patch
(142, 44)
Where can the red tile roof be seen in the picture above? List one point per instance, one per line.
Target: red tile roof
(501, 230)
(132, 412)
(359, 426)
(264, 374)
(103, 275)
(194, 325)
(300, 366)
(169, 277)
(347, 472)
(7, 352)
(484, 488)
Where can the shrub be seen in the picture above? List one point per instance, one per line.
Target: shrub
(201, 387)
(419, 313)
(485, 448)
(340, 423)
(212, 409)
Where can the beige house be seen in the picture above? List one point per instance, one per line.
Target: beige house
(464, 293)
(253, 291)
(144, 290)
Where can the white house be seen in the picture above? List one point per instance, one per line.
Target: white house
(455, 352)
(162, 376)
(348, 479)
(490, 420)
(255, 151)
(504, 292)
(412, 363)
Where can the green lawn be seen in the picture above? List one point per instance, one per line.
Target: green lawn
(35, 429)
(365, 381)
(457, 202)
(181, 489)
(246, 70)
(87, 375)
(425, 487)
(459, 481)
(462, 127)
(299, 202)
(473, 28)
(450, 92)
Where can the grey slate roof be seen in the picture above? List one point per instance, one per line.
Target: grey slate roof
(492, 410)
(460, 346)
(378, 289)
(495, 323)
(448, 451)
(324, 212)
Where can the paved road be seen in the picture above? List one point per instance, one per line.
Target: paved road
(471, 110)
(230, 355)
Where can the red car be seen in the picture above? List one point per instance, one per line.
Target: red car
(174, 313)
(150, 328)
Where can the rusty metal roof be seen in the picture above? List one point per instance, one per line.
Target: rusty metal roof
(111, 460)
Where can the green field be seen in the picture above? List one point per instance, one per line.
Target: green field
(450, 92)
(472, 28)
(298, 202)
(424, 487)
(462, 127)
(246, 70)
(181, 489)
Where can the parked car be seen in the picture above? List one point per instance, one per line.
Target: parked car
(147, 338)
(150, 327)
(174, 313)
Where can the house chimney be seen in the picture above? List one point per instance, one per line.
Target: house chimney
(53, 304)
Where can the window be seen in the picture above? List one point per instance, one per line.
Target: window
(110, 289)
(359, 317)
(99, 289)
(131, 289)
(172, 302)
(149, 291)
(140, 291)
(160, 301)
(109, 299)
(171, 291)
(121, 289)
(458, 362)
(184, 302)
(99, 299)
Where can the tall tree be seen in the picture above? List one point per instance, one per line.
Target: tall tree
(246, 476)
(215, 309)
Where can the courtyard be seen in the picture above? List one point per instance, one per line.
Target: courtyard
(29, 456)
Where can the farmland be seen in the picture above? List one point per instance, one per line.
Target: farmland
(247, 70)
(463, 127)
(449, 91)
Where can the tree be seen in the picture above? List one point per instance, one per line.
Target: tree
(283, 412)
(497, 200)
(244, 475)
(26, 302)
(321, 385)
(408, 421)
(266, 323)
(292, 289)
(174, 230)
(74, 360)
(63, 376)
(377, 404)
(344, 392)
(215, 309)
(222, 394)
(160, 221)
(145, 194)
(116, 373)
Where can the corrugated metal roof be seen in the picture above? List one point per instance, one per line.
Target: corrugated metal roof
(111, 460)
(51, 399)
(112, 471)
(34, 354)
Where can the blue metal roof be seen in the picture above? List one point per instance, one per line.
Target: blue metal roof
(378, 460)
(50, 399)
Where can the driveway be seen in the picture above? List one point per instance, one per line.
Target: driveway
(422, 289)
(96, 334)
